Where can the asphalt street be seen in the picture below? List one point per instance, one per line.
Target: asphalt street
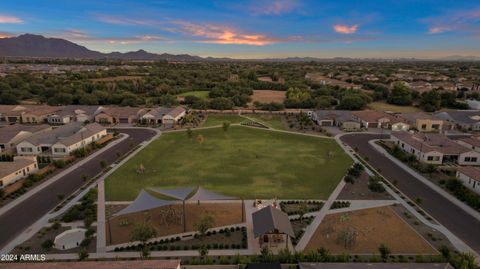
(442, 209)
(22, 216)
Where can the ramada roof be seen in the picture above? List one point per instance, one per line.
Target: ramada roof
(470, 171)
(431, 142)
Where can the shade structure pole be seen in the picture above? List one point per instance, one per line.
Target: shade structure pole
(184, 218)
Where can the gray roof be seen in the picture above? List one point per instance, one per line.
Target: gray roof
(66, 134)
(336, 115)
(144, 201)
(71, 110)
(460, 116)
(204, 195)
(8, 132)
(374, 265)
(159, 112)
(269, 219)
(178, 193)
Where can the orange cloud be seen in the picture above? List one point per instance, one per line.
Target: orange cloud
(345, 29)
(219, 34)
(10, 19)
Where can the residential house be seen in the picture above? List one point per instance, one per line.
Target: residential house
(74, 113)
(435, 148)
(143, 264)
(115, 115)
(21, 167)
(470, 177)
(61, 141)
(380, 119)
(423, 122)
(38, 113)
(164, 115)
(470, 142)
(462, 119)
(12, 114)
(10, 135)
(343, 119)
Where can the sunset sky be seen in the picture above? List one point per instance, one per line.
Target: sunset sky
(256, 28)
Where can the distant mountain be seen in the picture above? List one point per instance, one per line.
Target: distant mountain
(29, 45)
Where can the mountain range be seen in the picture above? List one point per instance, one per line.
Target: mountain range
(37, 46)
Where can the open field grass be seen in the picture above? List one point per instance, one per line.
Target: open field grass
(219, 119)
(371, 228)
(382, 106)
(272, 121)
(199, 94)
(242, 162)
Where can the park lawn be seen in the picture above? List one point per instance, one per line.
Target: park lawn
(382, 106)
(199, 94)
(242, 162)
(272, 121)
(219, 119)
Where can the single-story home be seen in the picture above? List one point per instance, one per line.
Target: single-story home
(423, 122)
(463, 119)
(380, 119)
(73, 113)
(339, 118)
(470, 142)
(470, 177)
(61, 141)
(164, 115)
(117, 264)
(21, 167)
(38, 113)
(115, 115)
(10, 135)
(435, 148)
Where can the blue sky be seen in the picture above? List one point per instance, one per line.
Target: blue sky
(256, 28)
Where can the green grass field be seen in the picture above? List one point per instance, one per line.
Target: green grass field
(272, 121)
(242, 162)
(199, 94)
(219, 119)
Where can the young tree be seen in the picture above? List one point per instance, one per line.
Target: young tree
(143, 232)
(200, 139)
(302, 210)
(384, 252)
(83, 254)
(204, 224)
(225, 126)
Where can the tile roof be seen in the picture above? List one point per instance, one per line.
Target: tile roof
(471, 141)
(470, 171)
(8, 132)
(431, 142)
(460, 116)
(6, 168)
(65, 134)
(136, 264)
(373, 116)
(336, 115)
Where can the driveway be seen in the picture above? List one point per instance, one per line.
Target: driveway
(448, 214)
(22, 216)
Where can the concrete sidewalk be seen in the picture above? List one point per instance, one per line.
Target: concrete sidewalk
(49, 181)
(425, 181)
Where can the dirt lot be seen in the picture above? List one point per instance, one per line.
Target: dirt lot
(359, 191)
(369, 229)
(168, 219)
(268, 96)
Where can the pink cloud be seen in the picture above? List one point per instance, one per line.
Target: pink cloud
(461, 21)
(220, 34)
(438, 30)
(274, 7)
(10, 19)
(345, 29)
